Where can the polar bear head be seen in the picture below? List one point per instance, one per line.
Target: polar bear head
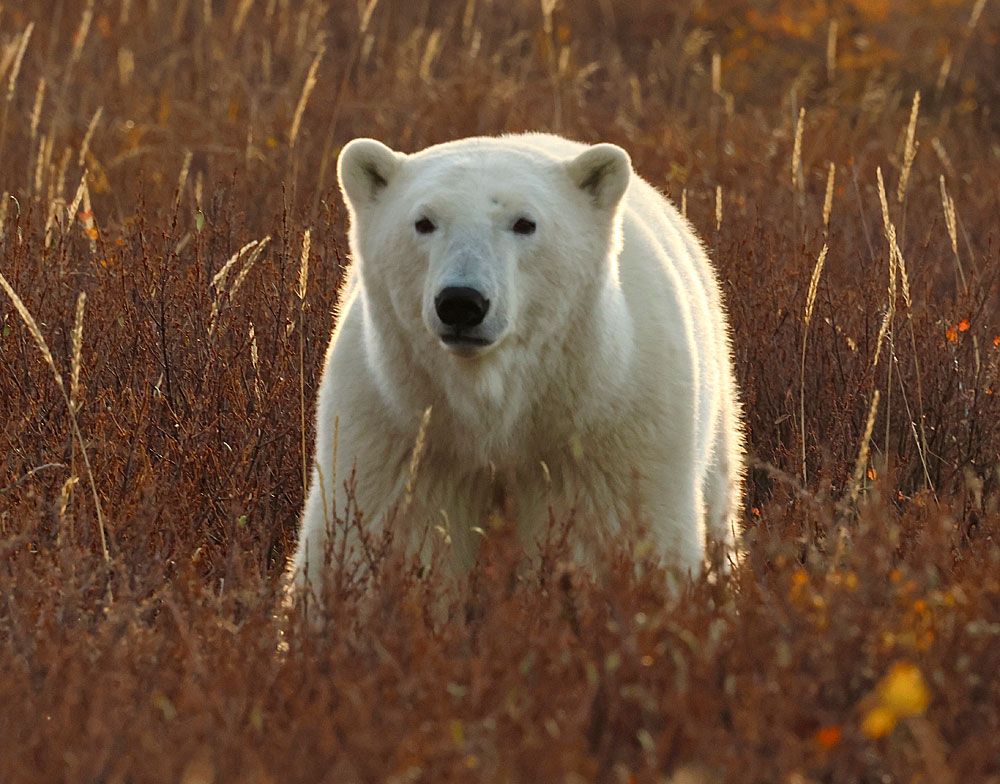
(484, 243)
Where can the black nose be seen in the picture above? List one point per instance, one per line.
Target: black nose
(461, 307)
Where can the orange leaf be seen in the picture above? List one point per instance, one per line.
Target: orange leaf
(996, 340)
(963, 325)
(952, 334)
(92, 233)
(828, 737)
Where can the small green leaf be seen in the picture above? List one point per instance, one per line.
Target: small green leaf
(199, 220)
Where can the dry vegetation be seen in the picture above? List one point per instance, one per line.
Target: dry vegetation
(166, 159)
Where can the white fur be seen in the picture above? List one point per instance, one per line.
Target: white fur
(610, 360)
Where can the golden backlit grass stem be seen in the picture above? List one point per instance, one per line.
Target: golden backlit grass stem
(77, 341)
(798, 178)
(863, 449)
(898, 263)
(325, 159)
(807, 319)
(302, 289)
(251, 251)
(12, 84)
(951, 222)
(910, 149)
(307, 89)
(34, 167)
(74, 205)
(418, 452)
(79, 39)
(890, 309)
(828, 197)
(43, 348)
(831, 50)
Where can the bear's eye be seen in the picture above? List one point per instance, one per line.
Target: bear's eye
(524, 226)
(424, 226)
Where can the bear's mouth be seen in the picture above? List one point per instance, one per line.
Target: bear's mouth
(464, 340)
(463, 344)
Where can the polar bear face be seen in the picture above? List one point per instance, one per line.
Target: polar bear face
(476, 244)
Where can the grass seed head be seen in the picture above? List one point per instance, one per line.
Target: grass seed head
(831, 49)
(18, 59)
(304, 265)
(814, 285)
(910, 150)
(77, 340)
(307, 89)
(828, 197)
(862, 459)
(798, 180)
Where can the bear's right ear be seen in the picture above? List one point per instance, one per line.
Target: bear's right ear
(602, 172)
(364, 169)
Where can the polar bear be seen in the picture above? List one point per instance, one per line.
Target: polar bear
(548, 327)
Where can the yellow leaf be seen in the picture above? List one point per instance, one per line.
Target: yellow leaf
(903, 690)
(878, 722)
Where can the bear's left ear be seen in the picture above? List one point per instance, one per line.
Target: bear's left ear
(603, 172)
(364, 169)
